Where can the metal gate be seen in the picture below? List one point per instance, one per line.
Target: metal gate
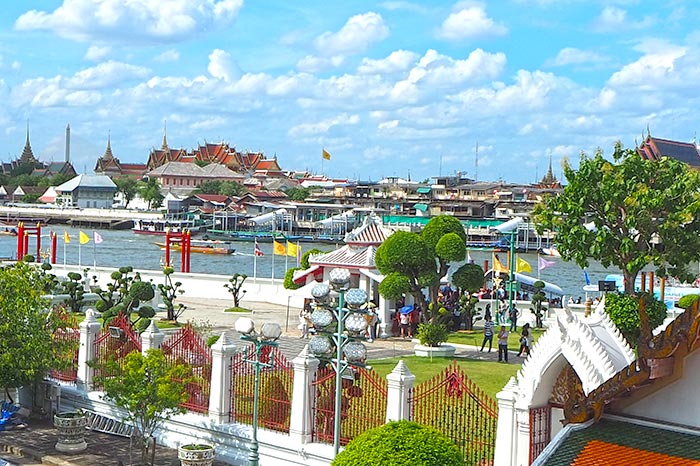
(114, 342)
(66, 340)
(540, 430)
(362, 407)
(189, 348)
(275, 389)
(454, 405)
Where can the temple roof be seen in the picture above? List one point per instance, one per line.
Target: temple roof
(371, 232)
(654, 148)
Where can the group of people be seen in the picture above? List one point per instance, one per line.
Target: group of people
(504, 333)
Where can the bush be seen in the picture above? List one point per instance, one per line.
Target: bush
(688, 300)
(624, 312)
(289, 279)
(430, 334)
(400, 443)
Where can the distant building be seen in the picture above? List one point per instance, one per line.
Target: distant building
(87, 191)
(34, 166)
(183, 178)
(109, 165)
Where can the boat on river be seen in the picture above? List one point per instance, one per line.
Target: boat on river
(267, 237)
(159, 227)
(203, 247)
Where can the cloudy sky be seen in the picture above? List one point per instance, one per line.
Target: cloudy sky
(393, 88)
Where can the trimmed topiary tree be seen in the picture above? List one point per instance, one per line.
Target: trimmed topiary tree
(400, 443)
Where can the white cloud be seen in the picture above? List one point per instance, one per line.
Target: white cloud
(105, 75)
(97, 53)
(656, 69)
(470, 22)
(222, 66)
(397, 61)
(324, 126)
(358, 33)
(111, 21)
(615, 19)
(168, 56)
(314, 64)
(574, 56)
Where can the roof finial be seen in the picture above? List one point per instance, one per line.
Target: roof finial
(648, 132)
(165, 138)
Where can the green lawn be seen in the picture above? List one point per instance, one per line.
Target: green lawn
(490, 376)
(475, 337)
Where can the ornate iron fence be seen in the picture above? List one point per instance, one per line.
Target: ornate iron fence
(275, 389)
(540, 430)
(363, 404)
(189, 348)
(454, 405)
(114, 342)
(67, 340)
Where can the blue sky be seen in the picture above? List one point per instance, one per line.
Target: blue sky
(392, 88)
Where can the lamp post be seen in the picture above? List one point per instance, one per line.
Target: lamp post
(510, 228)
(267, 336)
(350, 325)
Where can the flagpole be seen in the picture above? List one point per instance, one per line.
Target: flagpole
(79, 252)
(94, 252)
(255, 266)
(273, 260)
(538, 266)
(64, 251)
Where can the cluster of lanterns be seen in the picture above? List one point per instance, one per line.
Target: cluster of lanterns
(339, 320)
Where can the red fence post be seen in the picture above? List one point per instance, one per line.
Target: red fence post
(53, 247)
(167, 247)
(38, 242)
(20, 240)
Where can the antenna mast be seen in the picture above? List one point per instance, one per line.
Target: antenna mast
(476, 162)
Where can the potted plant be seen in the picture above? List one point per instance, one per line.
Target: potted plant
(71, 431)
(196, 454)
(432, 336)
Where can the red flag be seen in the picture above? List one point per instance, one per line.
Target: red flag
(258, 251)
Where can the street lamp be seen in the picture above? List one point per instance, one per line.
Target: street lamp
(511, 228)
(350, 325)
(267, 336)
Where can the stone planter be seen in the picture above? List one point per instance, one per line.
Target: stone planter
(71, 432)
(196, 454)
(442, 351)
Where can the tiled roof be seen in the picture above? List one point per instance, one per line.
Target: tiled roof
(625, 443)
(86, 181)
(348, 256)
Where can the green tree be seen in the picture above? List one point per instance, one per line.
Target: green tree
(27, 349)
(628, 213)
(149, 389)
(298, 193)
(400, 443)
(73, 287)
(232, 189)
(169, 292)
(208, 187)
(150, 192)
(469, 278)
(128, 187)
(623, 310)
(538, 297)
(234, 286)
(413, 261)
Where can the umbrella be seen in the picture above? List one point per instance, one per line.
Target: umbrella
(406, 309)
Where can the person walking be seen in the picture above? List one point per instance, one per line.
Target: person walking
(304, 322)
(488, 333)
(405, 324)
(525, 340)
(513, 316)
(503, 344)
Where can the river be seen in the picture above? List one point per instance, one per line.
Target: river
(122, 248)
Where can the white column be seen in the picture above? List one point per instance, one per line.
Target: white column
(301, 419)
(400, 384)
(506, 435)
(220, 391)
(522, 430)
(385, 316)
(151, 338)
(89, 329)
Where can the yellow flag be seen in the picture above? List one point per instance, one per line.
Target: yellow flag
(498, 267)
(521, 265)
(326, 155)
(84, 238)
(66, 237)
(278, 248)
(292, 249)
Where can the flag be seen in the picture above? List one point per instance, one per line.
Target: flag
(278, 248)
(258, 251)
(326, 155)
(469, 258)
(84, 239)
(521, 265)
(96, 237)
(585, 276)
(544, 263)
(66, 237)
(292, 249)
(498, 267)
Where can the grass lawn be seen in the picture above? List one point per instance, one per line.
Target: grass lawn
(489, 376)
(475, 337)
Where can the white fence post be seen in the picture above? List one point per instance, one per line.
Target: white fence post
(506, 447)
(301, 418)
(89, 329)
(151, 338)
(220, 392)
(399, 386)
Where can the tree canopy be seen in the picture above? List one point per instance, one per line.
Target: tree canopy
(628, 213)
(128, 187)
(413, 261)
(150, 192)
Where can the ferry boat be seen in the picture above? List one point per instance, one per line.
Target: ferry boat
(160, 226)
(203, 247)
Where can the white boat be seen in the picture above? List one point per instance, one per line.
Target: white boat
(160, 226)
(551, 252)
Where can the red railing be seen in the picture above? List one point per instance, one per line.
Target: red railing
(454, 405)
(114, 342)
(275, 389)
(540, 430)
(362, 406)
(189, 348)
(67, 341)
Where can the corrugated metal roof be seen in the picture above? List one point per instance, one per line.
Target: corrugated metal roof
(347, 256)
(86, 181)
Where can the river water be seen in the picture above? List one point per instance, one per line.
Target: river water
(122, 248)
